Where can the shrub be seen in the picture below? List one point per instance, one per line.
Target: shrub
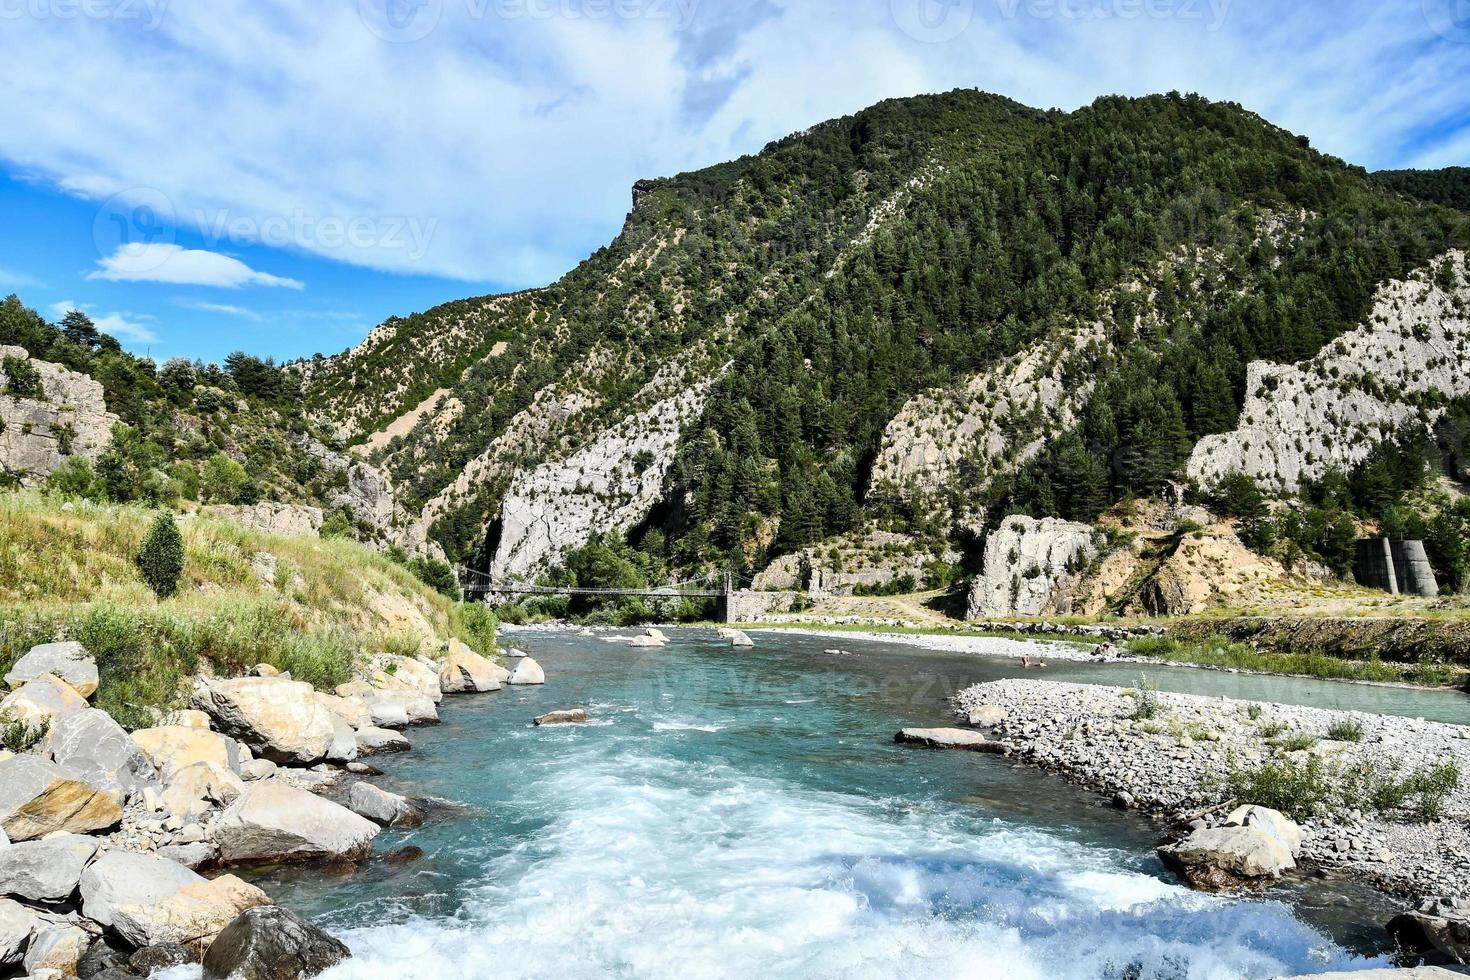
(76, 478)
(437, 575)
(1300, 790)
(1146, 702)
(22, 380)
(223, 480)
(161, 557)
(18, 735)
(1347, 730)
(1296, 741)
(480, 625)
(1430, 786)
(337, 526)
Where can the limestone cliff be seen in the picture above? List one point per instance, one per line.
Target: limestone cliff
(1032, 567)
(62, 413)
(1302, 420)
(865, 560)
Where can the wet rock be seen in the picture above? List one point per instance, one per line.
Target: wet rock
(101, 957)
(383, 808)
(405, 855)
(949, 738)
(1225, 858)
(575, 716)
(275, 822)
(279, 719)
(271, 943)
(1438, 930)
(164, 956)
(38, 797)
(737, 638)
(69, 662)
(377, 741)
(45, 870)
(526, 673)
(363, 769)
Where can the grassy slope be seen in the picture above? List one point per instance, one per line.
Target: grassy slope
(66, 571)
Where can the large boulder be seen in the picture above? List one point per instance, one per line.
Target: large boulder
(382, 807)
(1225, 858)
(527, 673)
(405, 675)
(1269, 821)
(94, 746)
(38, 797)
(573, 716)
(196, 790)
(275, 822)
(1438, 930)
(42, 701)
(466, 672)
(45, 870)
(271, 943)
(69, 662)
(149, 900)
(18, 925)
(737, 638)
(388, 714)
(279, 719)
(376, 741)
(58, 947)
(949, 738)
(343, 747)
(352, 710)
(174, 748)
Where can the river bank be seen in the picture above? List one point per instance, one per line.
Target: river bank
(1176, 756)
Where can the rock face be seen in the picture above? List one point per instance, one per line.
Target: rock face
(97, 749)
(527, 673)
(45, 870)
(69, 662)
(272, 518)
(279, 719)
(1032, 567)
(39, 797)
(275, 822)
(602, 488)
(1210, 567)
(271, 943)
(949, 738)
(68, 416)
(150, 900)
(1331, 412)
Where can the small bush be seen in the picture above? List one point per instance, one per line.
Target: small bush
(1300, 790)
(161, 557)
(1296, 741)
(1430, 787)
(1347, 730)
(1146, 701)
(1272, 729)
(337, 526)
(1253, 712)
(18, 735)
(480, 626)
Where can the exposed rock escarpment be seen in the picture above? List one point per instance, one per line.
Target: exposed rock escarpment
(1032, 567)
(65, 414)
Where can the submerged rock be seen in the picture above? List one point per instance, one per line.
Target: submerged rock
(382, 807)
(576, 716)
(69, 662)
(950, 738)
(271, 943)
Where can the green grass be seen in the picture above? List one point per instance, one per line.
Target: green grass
(330, 603)
(1221, 652)
(1346, 730)
(1313, 788)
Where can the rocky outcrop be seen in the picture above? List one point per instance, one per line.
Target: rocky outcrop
(272, 518)
(65, 415)
(1301, 421)
(1209, 567)
(870, 560)
(92, 745)
(604, 488)
(274, 822)
(39, 798)
(69, 662)
(279, 719)
(1032, 567)
(271, 943)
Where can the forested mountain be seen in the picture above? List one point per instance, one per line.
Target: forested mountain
(716, 384)
(1449, 186)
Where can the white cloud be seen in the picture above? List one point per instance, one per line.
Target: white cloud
(512, 141)
(12, 278)
(224, 308)
(123, 326)
(166, 262)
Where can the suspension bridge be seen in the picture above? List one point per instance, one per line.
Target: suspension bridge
(478, 585)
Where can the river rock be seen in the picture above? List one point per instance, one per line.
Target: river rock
(576, 716)
(950, 738)
(38, 797)
(279, 719)
(271, 943)
(17, 925)
(382, 807)
(95, 747)
(149, 900)
(421, 711)
(352, 710)
(343, 748)
(1438, 930)
(466, 672)
(395, 674)
(42, 701)
(987, 716)
(527, 673)
(388, 714)
(273, 822)
(58, 946)
(642, 643)
(196, 790)
(192, 855)
(69, 662)
(173, 748)
(1277, 824)
(1224, 858)
(45, 870)
(376, 741)
(737, 638)
(164, 956)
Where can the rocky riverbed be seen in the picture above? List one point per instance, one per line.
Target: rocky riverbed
(1173, 755)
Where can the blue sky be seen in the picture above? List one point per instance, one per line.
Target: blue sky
(280, 177)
